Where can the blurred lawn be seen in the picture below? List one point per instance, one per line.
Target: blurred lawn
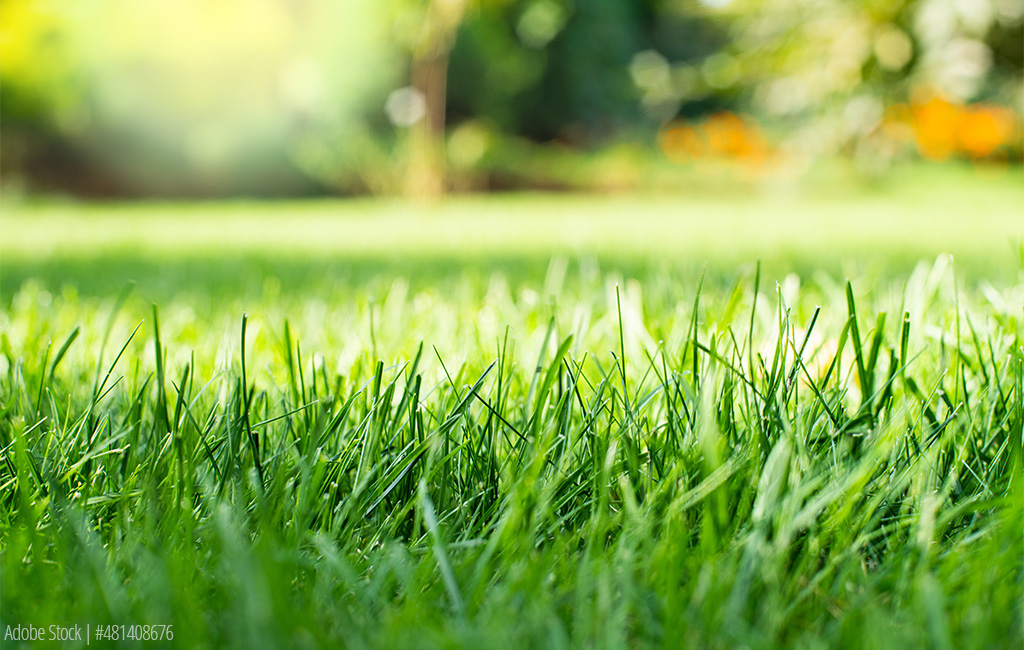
(230, 247)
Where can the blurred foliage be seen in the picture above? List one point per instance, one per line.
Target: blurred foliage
(545, 71)
(187, 97)
(274, 97)
(830, 71)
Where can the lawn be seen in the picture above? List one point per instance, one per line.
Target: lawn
(523, 421)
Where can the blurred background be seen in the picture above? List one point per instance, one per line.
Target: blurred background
(265, 98)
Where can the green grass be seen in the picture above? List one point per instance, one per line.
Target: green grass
(606, 449)
(920, 213)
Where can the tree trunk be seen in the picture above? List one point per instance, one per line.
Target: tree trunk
(427, 173)
(427, 179)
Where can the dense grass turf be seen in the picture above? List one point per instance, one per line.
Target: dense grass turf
(588, 453)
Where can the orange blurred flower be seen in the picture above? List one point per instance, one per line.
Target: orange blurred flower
(935, 127)
(725, 136)
(681, 144)
(724, 132)
(983, 128)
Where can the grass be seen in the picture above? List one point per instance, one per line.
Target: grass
(923, 212)
(583, 453)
